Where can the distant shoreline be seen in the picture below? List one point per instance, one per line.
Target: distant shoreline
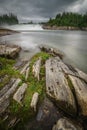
(63, 28)
(4, 32)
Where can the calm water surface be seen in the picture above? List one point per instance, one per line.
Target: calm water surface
(72, 43)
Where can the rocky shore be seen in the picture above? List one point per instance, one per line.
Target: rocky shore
(4, 32)
(63, 28)
(43, 93)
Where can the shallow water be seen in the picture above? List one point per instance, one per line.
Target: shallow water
(72, 43)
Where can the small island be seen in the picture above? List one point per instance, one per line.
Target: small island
(67, 21)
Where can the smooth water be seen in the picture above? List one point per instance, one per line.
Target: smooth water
(72, 43)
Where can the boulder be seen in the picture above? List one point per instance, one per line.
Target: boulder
(66, 124)
(57, 87)
(10, 51)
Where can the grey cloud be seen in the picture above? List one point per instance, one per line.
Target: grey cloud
(40, 9)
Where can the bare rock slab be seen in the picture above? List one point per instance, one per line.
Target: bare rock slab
(66, 124)
(80, 88)
(18, 96)
(34, 101)
(57, 87)
(36, 68)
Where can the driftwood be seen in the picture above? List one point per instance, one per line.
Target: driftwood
(34, 101)
(36, 68)
(18, 96)
(4, 100)
(57, 86)
(80, 88)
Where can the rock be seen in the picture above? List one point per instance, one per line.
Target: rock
(18, 96)
(82, 75)
(52, 51)
(36, 68)
(23, 71)
(34, 101)
(27, 73)
(10, 51)
(4, 100)
(7, 87)
(57, 87)
(66, 124)
(80, 88)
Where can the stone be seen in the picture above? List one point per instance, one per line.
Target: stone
(10, 51)
(66, 124)
(36, 68)
(57, 87)
(80, 88)
(34, 101)
(4, 100)
(18, 96)
(23, 71)
(52, 51)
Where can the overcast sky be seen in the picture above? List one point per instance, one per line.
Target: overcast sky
(39, 10)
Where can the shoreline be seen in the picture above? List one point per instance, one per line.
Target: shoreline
(63, 28)
(4, 32)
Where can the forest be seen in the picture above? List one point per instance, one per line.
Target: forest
(8, 19)
(69, 19)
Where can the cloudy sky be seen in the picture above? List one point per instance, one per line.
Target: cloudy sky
(39, 10)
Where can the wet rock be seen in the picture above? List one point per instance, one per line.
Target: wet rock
(10, 51)
(57, 87)
(66, 124)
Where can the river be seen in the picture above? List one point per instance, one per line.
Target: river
(72, 43)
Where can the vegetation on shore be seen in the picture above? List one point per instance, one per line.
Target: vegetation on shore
(8, 19)
(24, 112)
(68, 19)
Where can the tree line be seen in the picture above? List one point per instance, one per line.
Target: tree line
(8, 19)
(69, 19)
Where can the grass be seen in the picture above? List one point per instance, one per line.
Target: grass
(7, 69)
